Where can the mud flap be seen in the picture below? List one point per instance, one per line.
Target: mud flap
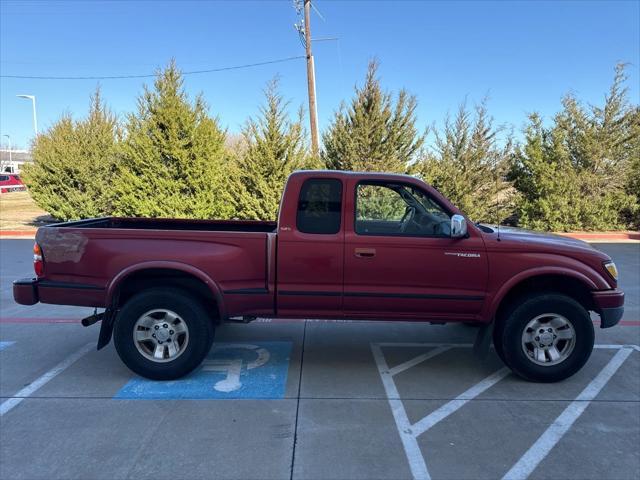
(106, 328)
(483, 341)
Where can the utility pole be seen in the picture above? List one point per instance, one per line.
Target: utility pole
(311, 80)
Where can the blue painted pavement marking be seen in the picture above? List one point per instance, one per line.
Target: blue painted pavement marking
(4, 345)
(231, 370)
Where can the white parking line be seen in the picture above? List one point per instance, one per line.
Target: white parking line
(416, 360)
(409, 442)
(409, 433)
(541, 448)
(450, 407)
(27, 391)
(617, 347)
(602, 346)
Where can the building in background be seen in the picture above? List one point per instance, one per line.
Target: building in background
(12, 161)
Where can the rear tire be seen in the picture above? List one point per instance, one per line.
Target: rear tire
(545, 337)
(163, 333)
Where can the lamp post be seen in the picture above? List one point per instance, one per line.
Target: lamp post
(9, 138)
(35, 118)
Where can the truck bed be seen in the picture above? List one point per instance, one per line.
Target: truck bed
(236, 258)
(173, 224)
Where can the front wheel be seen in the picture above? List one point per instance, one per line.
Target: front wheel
(163, 334)
(546, 338)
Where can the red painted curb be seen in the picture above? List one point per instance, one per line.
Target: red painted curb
(17, 233)
(602, 235)
(38, 320)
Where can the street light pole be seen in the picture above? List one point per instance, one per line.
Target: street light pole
(9, 137)
(35, 118)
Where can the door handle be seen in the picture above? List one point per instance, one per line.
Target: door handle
(365, 252)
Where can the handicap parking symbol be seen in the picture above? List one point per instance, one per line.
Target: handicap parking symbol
(4, 345)
(231, 370)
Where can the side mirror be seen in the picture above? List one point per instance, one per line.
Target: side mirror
(458, 226)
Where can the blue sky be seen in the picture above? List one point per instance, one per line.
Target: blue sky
(523, 54)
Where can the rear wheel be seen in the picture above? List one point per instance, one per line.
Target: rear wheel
(545, 338)
(163, 333)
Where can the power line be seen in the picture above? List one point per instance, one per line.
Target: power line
(150, 75)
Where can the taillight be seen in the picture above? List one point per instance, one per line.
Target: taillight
(38, 260)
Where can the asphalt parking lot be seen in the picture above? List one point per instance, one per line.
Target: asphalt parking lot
(311, 400)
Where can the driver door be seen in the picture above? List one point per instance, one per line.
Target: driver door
(400, 261)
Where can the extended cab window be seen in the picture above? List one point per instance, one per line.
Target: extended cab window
(320, 206)
(398, 209)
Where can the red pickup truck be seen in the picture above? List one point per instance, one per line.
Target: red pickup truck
(10, 182)
(346, 245)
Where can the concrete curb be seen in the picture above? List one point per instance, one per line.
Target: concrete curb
(17, 234)
(604, 237)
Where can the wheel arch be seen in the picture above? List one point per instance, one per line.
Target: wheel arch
(570, 283)
(164, 273)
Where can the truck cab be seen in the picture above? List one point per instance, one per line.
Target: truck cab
(382, 248)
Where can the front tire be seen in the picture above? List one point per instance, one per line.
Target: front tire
(546, 338)
(163, 333)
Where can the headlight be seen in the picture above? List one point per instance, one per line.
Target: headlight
(611, 268)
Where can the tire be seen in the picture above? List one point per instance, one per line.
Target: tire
(498, 332)
(173, 330)
(545, 337)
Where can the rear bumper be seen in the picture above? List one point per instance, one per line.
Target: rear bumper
(610, 306)
(25, 291)
(29, 291)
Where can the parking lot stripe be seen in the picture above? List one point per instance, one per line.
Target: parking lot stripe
(450, 407)
(470, 345)
(409, 441)
(541, 448)
(39, 320)
(416, 360)
(617, 347)
(27, 391)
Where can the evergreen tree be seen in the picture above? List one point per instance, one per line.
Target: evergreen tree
(174, 163)
(468, 166)
(74, 163)
(543, 175)
(591, 153)
(633, 186)
(373, 133)
(274, 146)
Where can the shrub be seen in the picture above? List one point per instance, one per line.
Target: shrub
(468, 166)
(74, 163)
(173, 162)
(373, 133)
(578, 174)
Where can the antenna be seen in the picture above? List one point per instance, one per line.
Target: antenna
(498, 204)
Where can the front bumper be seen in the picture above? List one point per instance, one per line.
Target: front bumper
(25, 291)
(610, 306)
